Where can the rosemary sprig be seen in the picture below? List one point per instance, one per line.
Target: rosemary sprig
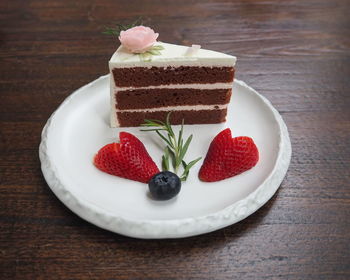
(175, 149)
(115, 31)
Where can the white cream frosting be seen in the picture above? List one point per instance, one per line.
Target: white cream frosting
(178, 108)
(172, 56)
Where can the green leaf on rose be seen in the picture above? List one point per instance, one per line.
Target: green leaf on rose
(147, 55)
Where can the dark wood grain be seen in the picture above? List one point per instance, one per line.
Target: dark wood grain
(296, 53)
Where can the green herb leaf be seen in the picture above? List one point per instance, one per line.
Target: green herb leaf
(187, 168)
(145, 57)
(110, 31)
(168, 125)
(154, 52)
(192, 163)
(115, 31)
(165, 159)
(185, 148)
(185, 173)
(172, 156)
(175, 150)
(181, 133)
(156, 122)
(168, 141)
(157, 48)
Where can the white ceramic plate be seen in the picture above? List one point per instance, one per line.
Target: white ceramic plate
(80, 127)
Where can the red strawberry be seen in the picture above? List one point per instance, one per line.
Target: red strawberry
(228, 157)
(128, 159)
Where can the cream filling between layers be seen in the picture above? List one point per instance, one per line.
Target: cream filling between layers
(114, 89)
(178, 108)
(180, 86)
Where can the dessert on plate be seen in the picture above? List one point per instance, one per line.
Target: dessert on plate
(149, 79)
(154, 85)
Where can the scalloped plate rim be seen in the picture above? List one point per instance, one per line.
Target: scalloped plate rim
(175, 228)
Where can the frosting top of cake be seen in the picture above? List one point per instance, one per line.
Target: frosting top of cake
(173, 56)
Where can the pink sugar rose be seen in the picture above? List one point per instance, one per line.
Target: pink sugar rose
(138, 39)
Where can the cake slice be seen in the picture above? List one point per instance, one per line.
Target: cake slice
(194, 83)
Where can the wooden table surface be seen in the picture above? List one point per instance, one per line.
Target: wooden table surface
(296, 53)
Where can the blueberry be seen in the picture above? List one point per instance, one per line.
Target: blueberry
(164, 185)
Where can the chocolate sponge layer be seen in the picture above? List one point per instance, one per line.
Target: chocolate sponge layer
(154, 76)
(160, 97)
(190, 117)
